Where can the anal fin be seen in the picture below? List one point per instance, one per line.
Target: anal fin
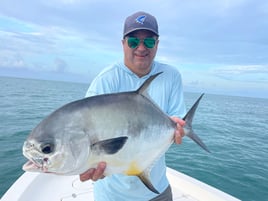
(145, 178)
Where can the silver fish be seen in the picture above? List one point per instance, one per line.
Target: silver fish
(122, 129)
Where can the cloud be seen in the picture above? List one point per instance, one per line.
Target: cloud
(10, 60)
(244, 69)
(194, 83)
(61, 65)
(249, 73)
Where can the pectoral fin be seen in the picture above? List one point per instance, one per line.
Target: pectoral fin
(145, 178)
(109, 146)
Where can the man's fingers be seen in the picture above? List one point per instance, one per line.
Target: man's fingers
(94, 173)
(178, 137)
(98, 174)
(87, 175)
(179, 132)
(178, 121)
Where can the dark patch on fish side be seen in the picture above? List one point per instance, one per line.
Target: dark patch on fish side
(109, 146)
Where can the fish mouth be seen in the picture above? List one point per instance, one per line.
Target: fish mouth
(37, 162)
(34, 166)
(31, 166)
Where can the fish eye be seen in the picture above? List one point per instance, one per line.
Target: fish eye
(47, 148)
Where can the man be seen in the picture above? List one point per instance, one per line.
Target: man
(140, 42)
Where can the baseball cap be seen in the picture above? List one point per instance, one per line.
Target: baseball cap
(140, 21)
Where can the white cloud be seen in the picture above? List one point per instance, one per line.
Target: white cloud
(60, 65)
(243, 73)
(241, 69)
(8, 60)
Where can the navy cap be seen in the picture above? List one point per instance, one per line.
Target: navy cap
(140, 21)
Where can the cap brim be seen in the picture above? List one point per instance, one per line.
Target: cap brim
(136, 29)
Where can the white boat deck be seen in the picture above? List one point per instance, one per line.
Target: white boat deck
(45, 187)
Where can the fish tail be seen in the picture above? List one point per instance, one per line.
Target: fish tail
(188, 118)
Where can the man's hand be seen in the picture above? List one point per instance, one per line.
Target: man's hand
(94, 173)
(179, 132)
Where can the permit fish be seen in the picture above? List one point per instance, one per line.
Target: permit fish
(121, 129)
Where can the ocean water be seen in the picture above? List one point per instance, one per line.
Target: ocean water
(234, 128)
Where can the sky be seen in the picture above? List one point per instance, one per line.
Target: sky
(219, 46)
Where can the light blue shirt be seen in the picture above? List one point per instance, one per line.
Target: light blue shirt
(167, 92)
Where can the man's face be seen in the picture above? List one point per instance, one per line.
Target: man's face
(139, 59)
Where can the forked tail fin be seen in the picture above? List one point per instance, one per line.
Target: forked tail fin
(188, 126)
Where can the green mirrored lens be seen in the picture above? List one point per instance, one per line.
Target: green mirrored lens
(134, 42)
(149, 42)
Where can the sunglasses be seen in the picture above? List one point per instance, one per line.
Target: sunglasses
(134, 42)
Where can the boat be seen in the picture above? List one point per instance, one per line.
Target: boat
(48, 187)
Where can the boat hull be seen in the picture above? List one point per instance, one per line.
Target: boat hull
(46, 187)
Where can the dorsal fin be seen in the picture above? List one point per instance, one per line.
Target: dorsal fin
(147, 82)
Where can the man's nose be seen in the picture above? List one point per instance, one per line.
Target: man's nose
(141, 46)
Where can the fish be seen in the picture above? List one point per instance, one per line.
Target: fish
(121, 129)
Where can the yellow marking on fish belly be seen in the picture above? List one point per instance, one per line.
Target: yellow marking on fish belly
(133, 169)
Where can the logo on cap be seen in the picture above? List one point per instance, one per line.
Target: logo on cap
(140, 19)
